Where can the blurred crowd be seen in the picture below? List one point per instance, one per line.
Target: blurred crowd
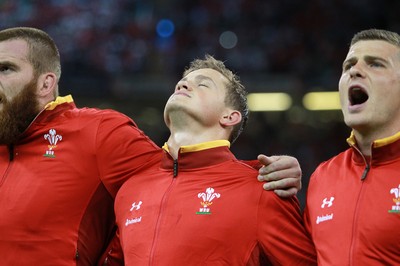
(304, 38)
(103, 42)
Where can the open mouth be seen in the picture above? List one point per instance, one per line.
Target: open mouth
(357, 95)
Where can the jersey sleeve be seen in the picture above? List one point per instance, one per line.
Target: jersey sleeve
(122, 150)
(306, 213)
(282, 235)
(253, 163)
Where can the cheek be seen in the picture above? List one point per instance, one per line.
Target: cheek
(393, 85)
(342, 88)
(10, 96)
(213, 108)
(12, 91)
(388, 91)
(389, 99)
(342, 82)
(343, 97)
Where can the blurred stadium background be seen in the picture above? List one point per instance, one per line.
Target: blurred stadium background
(129, 54)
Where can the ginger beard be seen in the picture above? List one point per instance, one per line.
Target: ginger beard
(18, 113)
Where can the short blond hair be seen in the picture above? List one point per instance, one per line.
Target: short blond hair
(236, 95)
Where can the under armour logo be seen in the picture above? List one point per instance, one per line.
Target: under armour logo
(136, 206)
(327, 202)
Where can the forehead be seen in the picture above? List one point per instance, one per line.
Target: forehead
(207, 73)
(15, 50)
(375, 48)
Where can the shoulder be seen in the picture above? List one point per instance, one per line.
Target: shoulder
(247, 166)
(336, 160)
(333, 165)
(270, 201)
(96, 112)
(107, 116)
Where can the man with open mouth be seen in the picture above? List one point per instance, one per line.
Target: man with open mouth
(353, 199)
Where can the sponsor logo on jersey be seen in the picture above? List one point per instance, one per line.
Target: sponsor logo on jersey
(324, 218)
(326, 203)
(134, 208)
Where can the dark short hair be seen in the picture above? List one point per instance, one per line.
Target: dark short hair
(43, 53)
(376, 34)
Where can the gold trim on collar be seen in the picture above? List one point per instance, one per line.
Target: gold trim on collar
(351, 140)
(377, 143)
(385, 141)
(59, 100)
(201, 146)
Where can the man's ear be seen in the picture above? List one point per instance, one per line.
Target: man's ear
(231, 118)
(47, 84)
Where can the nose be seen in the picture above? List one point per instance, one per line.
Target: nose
(356, 71)
(182, 85)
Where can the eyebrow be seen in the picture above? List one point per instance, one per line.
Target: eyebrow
(367, 58)
(8, 63)
(374, 58)
(200, 78)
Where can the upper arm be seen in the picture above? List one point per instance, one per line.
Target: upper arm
(281, 231)
(121, 150)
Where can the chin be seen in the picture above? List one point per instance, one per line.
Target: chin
(357, 124)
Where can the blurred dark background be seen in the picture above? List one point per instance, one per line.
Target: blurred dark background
(129, 54)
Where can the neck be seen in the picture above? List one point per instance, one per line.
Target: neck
(365, 141)
(192, 135)
(364, 146)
